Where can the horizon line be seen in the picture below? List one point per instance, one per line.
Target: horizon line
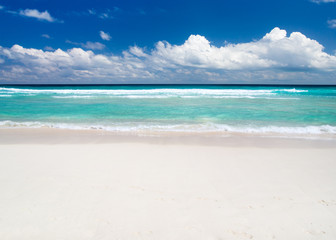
(162, 84)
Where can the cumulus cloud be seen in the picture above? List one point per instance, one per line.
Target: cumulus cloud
(274, 50)
(274, 57)
(74, 63)
(37, 14)
(139, 52)
(105, 36)
(332, 23)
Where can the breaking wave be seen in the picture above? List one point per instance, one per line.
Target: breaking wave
(150, 93)
(187, 128)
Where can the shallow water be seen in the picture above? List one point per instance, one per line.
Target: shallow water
(289, 110)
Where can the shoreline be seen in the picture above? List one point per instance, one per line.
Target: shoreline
(66, 136)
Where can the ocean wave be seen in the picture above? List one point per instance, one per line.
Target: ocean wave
(169, 96)
(164, 91)
(141, 91)
(129, 96)
(73, 96)
(154, 93)
(293, 90)
(187, 128)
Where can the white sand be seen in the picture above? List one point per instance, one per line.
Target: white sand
(172, 191)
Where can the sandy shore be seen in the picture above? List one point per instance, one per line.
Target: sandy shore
(71, 185)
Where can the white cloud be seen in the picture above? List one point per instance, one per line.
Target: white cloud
(45, 36)
(48, 48)
(74, 63)
(332, 23)
(36, 14)
(93, 45)
(88, 45)
(104, 16)
(92, 11)
(274, 50)
(105, 36)
(323, 1)
(274, 58)
(137, 51)
(1, 7)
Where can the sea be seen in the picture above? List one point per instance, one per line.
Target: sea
(224, 110)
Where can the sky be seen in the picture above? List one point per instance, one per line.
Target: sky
(126, 42)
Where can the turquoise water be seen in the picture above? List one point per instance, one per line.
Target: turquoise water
(221, 109)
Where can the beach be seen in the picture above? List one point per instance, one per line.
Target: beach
(62, 184)
(167, 120)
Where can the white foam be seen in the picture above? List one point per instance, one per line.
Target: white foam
(194, 128)
(142, 91)
(73, 96)
(141, 96)
(171, 96)
(153, 93)
(292, 90)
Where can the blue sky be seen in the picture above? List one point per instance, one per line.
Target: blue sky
(168, 41)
